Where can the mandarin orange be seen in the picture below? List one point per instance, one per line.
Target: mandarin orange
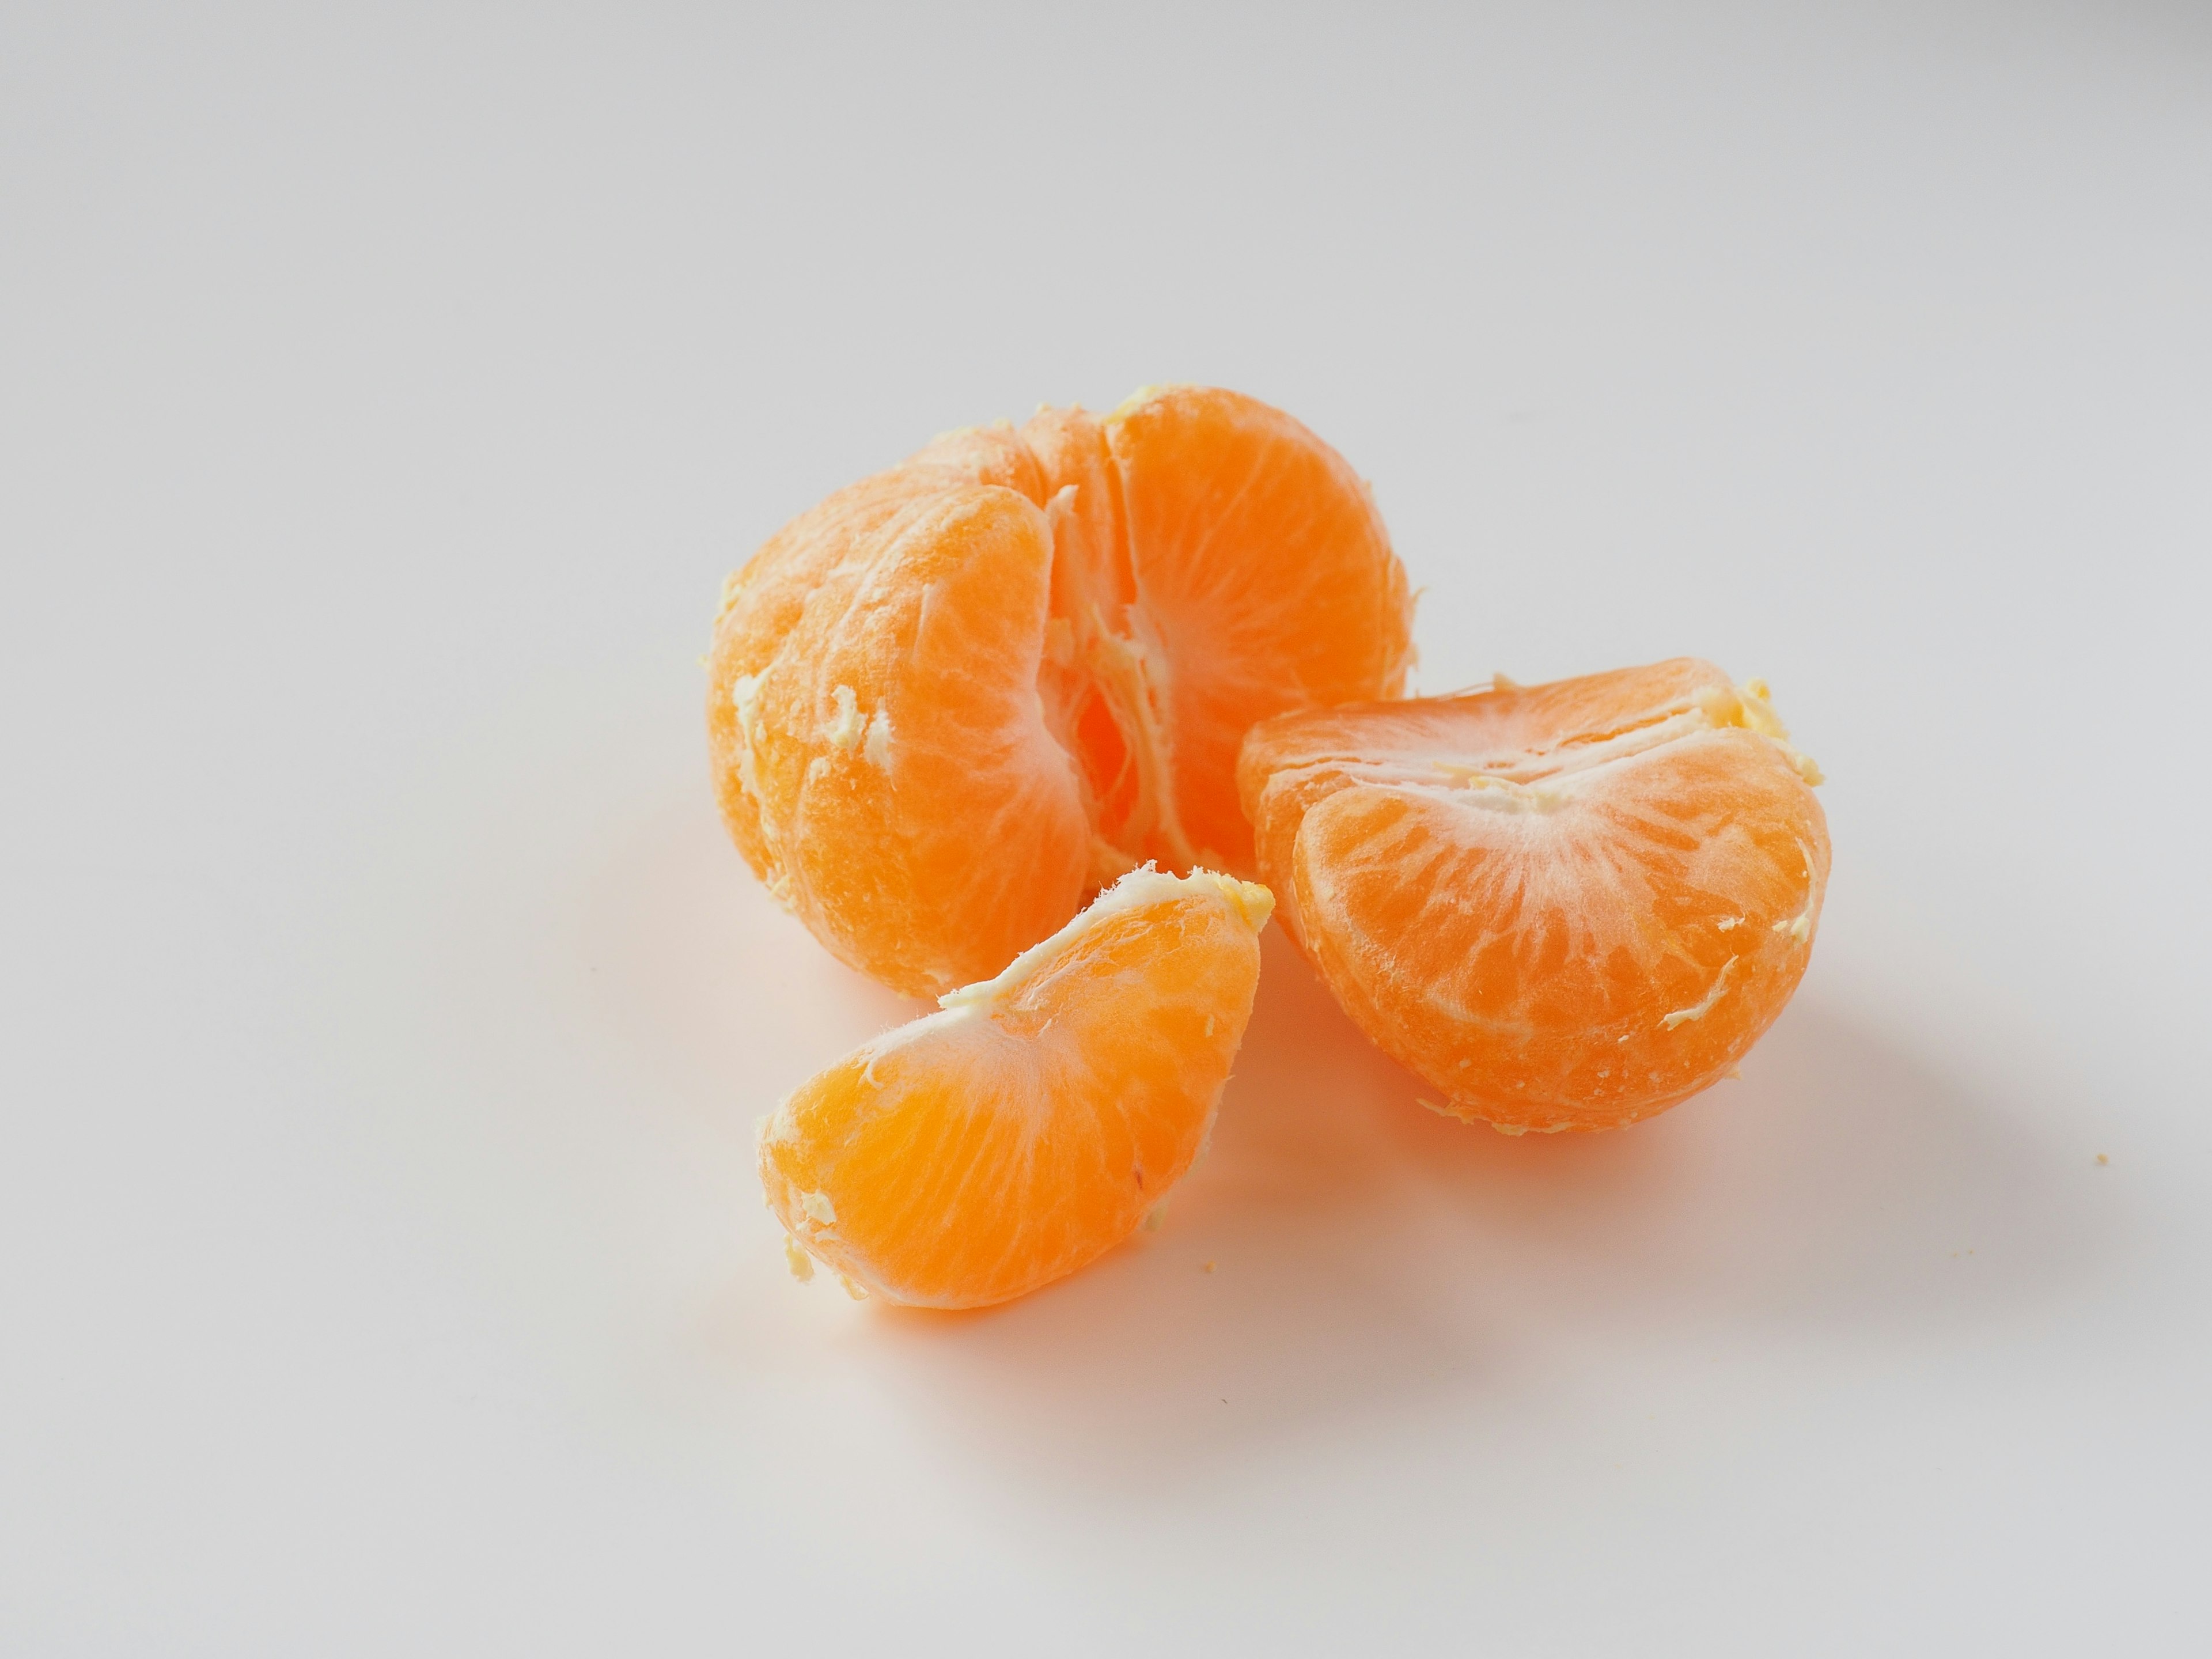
(1029, 1127)
(1566, 906)
(955, 698)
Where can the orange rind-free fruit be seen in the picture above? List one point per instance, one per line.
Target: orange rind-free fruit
(1566, 906)
(954, 699)
(1032, 1124)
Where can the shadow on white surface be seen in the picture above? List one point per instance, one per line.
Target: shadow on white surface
(1371, 1261)
(1370, 1258)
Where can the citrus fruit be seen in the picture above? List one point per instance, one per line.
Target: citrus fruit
(1566, 906)
(955, 698)
(1031, 1124)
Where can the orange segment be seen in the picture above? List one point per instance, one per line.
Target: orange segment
(956, 696)
(1568, 906)
(1264, 581)
(881, 756)
(1027, 1128)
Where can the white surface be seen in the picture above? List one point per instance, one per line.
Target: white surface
(385, 396)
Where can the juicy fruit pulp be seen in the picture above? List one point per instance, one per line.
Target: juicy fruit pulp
(986, 1150)
(1567, 906)
(956, 698)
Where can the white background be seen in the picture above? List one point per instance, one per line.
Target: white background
(386, 392)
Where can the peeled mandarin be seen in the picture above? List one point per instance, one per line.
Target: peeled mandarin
(1032, 1124)
(1567, 906)
(956, 698)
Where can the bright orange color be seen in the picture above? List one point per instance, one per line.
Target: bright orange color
(953, 699)
(978, 1153)
(1567, 906)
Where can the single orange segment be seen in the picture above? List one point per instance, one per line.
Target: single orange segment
(956, 698)
(1567, 906)
(1032, 1124)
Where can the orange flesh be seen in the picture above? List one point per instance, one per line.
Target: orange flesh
(955, 698)
(977, 1154)
(1568, 906)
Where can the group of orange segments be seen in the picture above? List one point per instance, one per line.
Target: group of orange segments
(1025, 723)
